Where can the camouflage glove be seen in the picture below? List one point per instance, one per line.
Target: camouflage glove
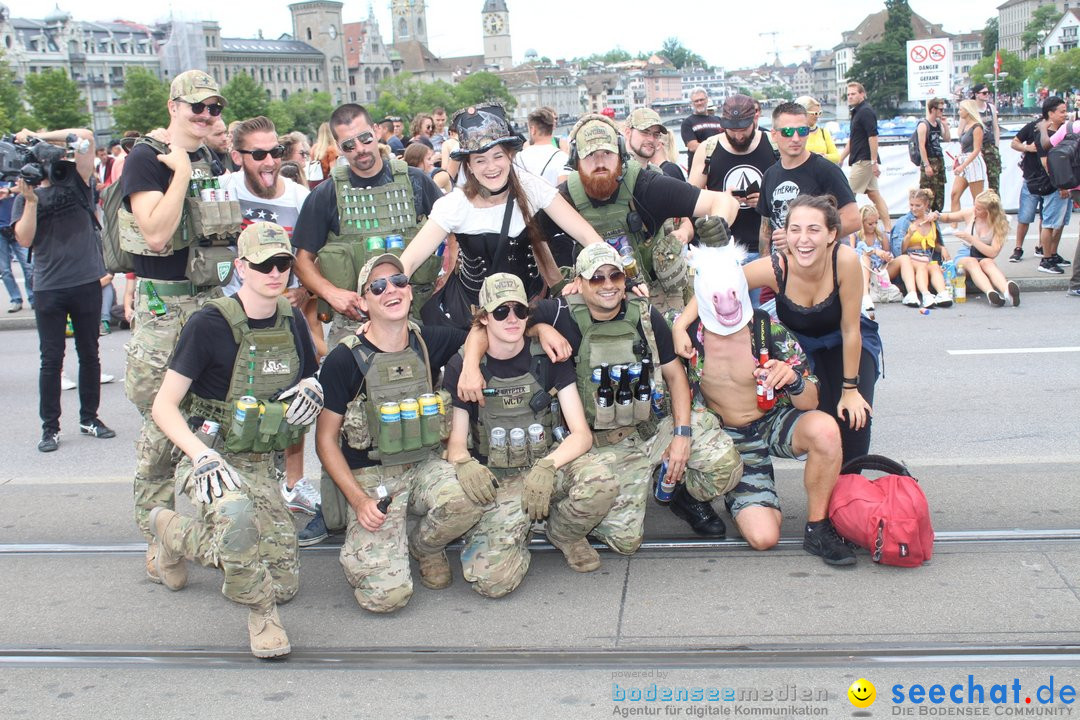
(213, 476)
(538, 485)
(712, 231)
(307, 404)
(476, 480)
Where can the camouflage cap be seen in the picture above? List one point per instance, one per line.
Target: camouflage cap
(500, 288)
(370, 265)
(595, 256)
(645, 118)
(194, 86)
(261, 241)
(595, 134)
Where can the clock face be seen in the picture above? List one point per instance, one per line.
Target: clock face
(493, 24)
(332, 32)
(401, 8)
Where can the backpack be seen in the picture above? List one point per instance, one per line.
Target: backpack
(1063, 161)
(913, 145)
(889, 516)
(117, 260)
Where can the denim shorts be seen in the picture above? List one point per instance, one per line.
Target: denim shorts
(1055, 210)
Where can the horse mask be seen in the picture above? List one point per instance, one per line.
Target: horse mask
(720, 287)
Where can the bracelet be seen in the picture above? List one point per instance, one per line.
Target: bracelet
(851, 387)
(796, 386)
(851, 381)
(682, 431)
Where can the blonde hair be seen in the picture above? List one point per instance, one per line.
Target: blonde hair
(992, 202)
(879, 231)
(808, 102)
(924, 194)
(324, 140)
(971, 109)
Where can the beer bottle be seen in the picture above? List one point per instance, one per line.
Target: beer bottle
(605, 394)
(643, 393)
(154, 303)
(624, 399)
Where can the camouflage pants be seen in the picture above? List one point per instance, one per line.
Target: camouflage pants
(664, 300)
(148, 353)
(496, 554)
(376, 563)
(992, 158)
(714, 468)
(248, 533)
(935, 184)
(335, 508)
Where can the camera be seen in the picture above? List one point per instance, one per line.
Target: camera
(37, 160)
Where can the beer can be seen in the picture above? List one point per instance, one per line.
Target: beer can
(410, 409)
(560, 433)
(244, 405)
(629, 264)
(429, 404)
(664, 487)
(390, 412)
(616, 372)
(536, 434)
(210, 428)
(205, 193)
(635, 371)
(498, 437)
(596, 376)
(517, 437)
(375, 243)
(395, 242)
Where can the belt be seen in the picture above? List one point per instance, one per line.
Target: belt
(604, 438)
(171, 288)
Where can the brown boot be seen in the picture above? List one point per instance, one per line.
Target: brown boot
(151, 562)
(580, 555)
(170, 566)
(434, 570)
(268, 638)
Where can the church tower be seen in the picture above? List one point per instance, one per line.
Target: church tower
(410, 20)
(496, 23)
(318, 23)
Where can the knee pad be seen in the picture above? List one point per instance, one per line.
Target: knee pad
(242, 533)
(387, 601)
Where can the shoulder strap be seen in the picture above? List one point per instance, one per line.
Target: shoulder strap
(504, 234)
(552, 157)
(233, 312)
(780, 273)
(577, 192)
(880, 463)
(762, 335)
(363, 355)
(835, 278)
(159, 147)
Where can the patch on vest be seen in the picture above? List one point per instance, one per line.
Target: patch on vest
(400, 372)
(223, 269)
(276, 367)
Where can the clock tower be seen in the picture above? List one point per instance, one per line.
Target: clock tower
(410, 20)
(318, 23)
(495, 19)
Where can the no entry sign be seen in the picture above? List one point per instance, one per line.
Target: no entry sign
(929, 65)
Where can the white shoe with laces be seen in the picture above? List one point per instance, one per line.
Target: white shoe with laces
(911, 300)
(927, 300)
(304, 497)
(67, 383)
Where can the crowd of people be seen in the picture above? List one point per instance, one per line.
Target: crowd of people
(489, 331)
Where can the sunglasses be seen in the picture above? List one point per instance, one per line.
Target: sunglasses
(281, 263)
(259, 155)
(503, 311)
(198, 108)
(398, 280)
(364, 138)
(616, 278)
(789, 132)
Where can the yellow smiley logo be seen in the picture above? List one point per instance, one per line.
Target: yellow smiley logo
(862, 693)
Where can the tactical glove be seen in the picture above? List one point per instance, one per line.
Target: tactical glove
(213, 476)
(538, 485)
(712, 231)
(476, 480)
(307, 404)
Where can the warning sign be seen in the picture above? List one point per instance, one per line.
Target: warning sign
(929, 68)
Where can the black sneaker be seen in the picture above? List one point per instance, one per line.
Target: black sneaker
(1058, 260)
(1038, 251)
(702, 519)
(820, 539)
(96, 428)
(1047, 265)
(50, 440)
(314, 532)
(1017, 256)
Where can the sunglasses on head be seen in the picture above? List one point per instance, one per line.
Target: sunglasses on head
(364, 138)
(616, 278)
(503, 311)
(281, 263)
(275, 152)
(803, 131)
(198, 108)
(398, 280)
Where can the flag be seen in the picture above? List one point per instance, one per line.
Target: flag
(997, 62)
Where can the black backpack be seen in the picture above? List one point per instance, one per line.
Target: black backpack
(913, 145)
(1063, 161)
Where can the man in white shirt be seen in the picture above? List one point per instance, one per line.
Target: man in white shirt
(543, 156)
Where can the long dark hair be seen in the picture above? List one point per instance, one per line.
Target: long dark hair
(825, 204)
(473, 188)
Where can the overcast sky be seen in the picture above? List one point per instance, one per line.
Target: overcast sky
(566, 28)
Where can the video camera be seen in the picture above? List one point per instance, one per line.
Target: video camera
(36, 160)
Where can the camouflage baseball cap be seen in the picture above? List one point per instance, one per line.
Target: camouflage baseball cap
(194, 86)
(261, 241)
(370, 265)
(595, 133)
(595, 256)
(645, 118)
(500, 288)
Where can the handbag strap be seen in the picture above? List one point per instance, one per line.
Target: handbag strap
(879, 463)
(503, 247)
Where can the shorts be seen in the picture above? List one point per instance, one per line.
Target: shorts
(1056, 210)
(756, 443)
(862, 178)
(976, 171)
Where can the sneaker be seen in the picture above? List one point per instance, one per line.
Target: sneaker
(580, 555)
(1047, 265)
(699, 515)
(943, 299)
(911, 300)
(928, 300)
(268, 638)
(1017, 256)
(314, 532)
(105, 329)
(50, 440)
(1072, 292)
(96, 428)
(820, 539)
(1014, 293)
(106, 378)
(868, 307)
(170, 566)
(1058, 260)
(304, 497)
(1038, 251)
(67, 383)
(16, 306)
(995, 299)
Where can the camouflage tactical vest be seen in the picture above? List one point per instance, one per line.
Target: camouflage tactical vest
(518, 403)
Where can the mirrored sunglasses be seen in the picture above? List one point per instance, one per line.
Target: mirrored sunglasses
(378, 287)
(790, 131)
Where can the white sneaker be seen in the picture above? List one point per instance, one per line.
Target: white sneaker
(106, 378)
(911, 300)
(927, 300)
(304, 497)
(67, 383)
(943, 299)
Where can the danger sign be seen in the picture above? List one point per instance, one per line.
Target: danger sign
(929, 68)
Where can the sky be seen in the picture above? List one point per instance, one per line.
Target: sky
(568, 28)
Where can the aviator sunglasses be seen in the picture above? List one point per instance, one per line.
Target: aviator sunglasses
(378, 287)
(198, 107)
(364, 138)
(788, 132)
(281, 263)
(503, 311)
(259, 155)
(616, 278)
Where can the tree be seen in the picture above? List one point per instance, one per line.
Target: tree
(246, 98)
(10, 100)
(881, 67)
(1042, 22)
(680, 56)
(1010, 63)
(1063, 73)
(482, 86)
(55, 101)
(777, 91)
(303, 111)
(990, 36)
(143, 103)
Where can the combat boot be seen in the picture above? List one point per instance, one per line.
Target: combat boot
(170, 565)
(434, 570)
(151, 562)
(268, 638)
(580, 555)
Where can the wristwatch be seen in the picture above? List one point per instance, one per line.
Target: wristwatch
(682, 431)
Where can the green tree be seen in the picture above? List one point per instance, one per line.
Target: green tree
(778, 91)
(10, 101)
(1063, 71)
(303, 111)
(55, 101)
(1042, 22)
(681, 56)
(881, 67)
(990, 36)
(143, 103)
(1010, 63)
(246, 98)
(482, 86)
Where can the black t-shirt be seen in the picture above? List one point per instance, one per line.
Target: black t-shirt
(933, 140)
(206, 351)
(698, 127)
(863, 127)
(560, 375)
(319, 215)
(728, 171)
(1035, 176)
(816, 176)
(672, 170)
(556, 312)
(342, 380)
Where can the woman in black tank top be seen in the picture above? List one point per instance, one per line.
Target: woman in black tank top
(984, 229)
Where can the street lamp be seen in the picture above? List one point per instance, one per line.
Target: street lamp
(995, 78)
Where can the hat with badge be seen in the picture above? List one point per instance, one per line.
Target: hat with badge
(593, 133)
(261, 241)
(370, 265)
(500, 288)
(481, 128)
(595, 256)
(644, 118)
(195, 86)
(738, 112)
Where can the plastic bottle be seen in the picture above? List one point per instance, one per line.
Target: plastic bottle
(960, 286)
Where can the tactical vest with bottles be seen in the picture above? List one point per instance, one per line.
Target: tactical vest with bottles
(622, 341)
(267, 362)
(517, 403)
(391, 377)
(208, 227)
(366, 216)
